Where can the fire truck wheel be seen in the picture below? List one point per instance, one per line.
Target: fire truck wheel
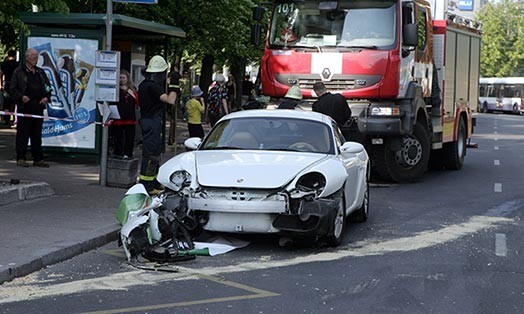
(454, 152)
(411, 161)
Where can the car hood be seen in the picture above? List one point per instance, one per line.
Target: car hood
(251, 169)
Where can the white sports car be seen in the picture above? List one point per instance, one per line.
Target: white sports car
(273, 171)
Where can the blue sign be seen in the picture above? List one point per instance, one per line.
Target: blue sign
(138, 1)
(465, 5)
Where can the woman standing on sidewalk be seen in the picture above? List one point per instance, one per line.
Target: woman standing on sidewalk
(123, 130)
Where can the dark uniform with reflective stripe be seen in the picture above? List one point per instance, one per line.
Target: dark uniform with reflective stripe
(151, 112)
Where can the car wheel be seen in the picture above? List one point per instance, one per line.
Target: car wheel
(455, 151)
(361, 214)
(338, 224)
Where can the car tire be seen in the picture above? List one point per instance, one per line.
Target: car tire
(338, 224)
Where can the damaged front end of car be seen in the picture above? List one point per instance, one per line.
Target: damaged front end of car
(309, 214)
(298, 209)
(159, 228)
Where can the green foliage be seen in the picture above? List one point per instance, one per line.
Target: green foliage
(10, 24)
(220, 29)
(502, 39)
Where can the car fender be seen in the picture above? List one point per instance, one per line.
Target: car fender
(131, 224)
(184, 161)
(332, 170)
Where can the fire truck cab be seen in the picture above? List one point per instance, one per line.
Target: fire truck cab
(409, 74)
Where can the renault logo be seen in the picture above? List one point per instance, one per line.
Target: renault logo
(326, 74)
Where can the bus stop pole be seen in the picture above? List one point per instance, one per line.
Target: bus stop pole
(105, 128)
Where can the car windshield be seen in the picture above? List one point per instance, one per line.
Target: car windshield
(270, 133)
(369, 24)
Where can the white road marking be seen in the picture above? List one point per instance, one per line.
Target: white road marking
(496, 139)
(496, 148)
(497, 187)
(495, 132)
(496, 162)
(500, 244)
(30, 287)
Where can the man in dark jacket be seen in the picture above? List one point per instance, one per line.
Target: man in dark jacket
(31, 91)
(333, 105)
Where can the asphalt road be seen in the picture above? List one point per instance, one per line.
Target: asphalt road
(452, 243)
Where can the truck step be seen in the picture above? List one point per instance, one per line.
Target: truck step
(436, 145)
(436, 140)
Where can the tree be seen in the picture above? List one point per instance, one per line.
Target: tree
(502, 39)
(10, 24)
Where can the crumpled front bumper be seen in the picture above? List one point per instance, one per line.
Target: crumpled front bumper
(315, 218)
(307, 217)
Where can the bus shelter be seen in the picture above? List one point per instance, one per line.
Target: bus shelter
(67, 46)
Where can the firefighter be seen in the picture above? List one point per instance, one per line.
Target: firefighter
(152, 98)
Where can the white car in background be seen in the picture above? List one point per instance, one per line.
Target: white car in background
(273, 171)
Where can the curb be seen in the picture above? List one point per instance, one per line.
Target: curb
(110, 234)
(23, 191)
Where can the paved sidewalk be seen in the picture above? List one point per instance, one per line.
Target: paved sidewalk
(78, 217)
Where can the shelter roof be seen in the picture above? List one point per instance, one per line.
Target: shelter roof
(122, 24)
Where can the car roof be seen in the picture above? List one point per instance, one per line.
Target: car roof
(280, 113)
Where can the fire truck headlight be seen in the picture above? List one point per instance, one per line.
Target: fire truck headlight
(384, 111)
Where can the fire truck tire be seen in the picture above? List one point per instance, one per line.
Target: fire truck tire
(379, 170)
(411, 162)
(454, 152)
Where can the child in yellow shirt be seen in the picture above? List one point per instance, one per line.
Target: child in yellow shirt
(195, 108)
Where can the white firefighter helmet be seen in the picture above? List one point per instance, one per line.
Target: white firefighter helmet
(156, 64)
(294, 93)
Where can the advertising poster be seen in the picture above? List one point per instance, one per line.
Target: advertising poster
(69, 65)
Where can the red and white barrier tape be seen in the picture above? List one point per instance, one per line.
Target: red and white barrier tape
(9, 113)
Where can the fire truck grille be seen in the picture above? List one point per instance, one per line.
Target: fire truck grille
(336, 83)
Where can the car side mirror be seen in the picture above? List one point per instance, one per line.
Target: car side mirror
(351, 148)
(192, 143)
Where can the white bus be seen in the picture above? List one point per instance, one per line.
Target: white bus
(502, 94)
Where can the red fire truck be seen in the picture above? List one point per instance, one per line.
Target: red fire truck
(409, 77)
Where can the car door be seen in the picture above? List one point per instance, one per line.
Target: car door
(351, 164)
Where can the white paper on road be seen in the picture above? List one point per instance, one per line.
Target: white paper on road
(221, 245)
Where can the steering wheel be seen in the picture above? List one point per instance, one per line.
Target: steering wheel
(302, 147)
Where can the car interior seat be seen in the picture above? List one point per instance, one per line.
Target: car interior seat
(243, 140)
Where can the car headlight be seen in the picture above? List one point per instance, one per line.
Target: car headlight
(313, 181)
(179, 179)
(384, 111)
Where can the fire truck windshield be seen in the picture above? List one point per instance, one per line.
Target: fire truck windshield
(367, 24)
